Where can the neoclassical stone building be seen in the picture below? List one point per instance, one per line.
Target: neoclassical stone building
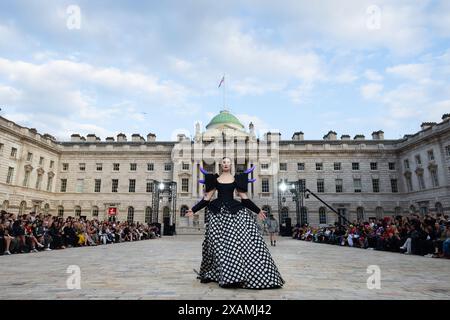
(359, 177)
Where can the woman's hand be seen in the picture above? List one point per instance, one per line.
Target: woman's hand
(189, 213)
(262, 215)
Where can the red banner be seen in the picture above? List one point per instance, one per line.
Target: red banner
(112, 211)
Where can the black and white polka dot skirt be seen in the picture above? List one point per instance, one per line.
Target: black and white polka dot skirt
(234, 253)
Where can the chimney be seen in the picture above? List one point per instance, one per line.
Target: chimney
(136, 137)
(121, 137)
(91, 138)
(272, 136)
(426, 125)
(33, 130)
(359, 137)
(345, 137)
(83, 139)
(110, 139)
(151, 137)
(446, 117)
(181, 137)
(331, 135)
(75, 138)
(378, 135)
(298, 136)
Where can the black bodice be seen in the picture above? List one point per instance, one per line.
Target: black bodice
(225, 191)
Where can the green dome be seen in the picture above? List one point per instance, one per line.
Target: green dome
(224, 117)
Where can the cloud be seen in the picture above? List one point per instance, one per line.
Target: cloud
(373, 75)
(413, 71)
(371, 90)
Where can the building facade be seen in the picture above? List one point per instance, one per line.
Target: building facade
(123, 178)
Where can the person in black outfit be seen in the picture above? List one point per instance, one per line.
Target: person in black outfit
(234, 253)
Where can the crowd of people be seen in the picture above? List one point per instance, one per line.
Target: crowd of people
(427, 236)
(43, 232)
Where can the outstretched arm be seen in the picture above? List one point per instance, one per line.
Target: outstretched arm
(203, 203)
(249, 204)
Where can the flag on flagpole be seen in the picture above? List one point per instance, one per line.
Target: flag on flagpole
(222, 81)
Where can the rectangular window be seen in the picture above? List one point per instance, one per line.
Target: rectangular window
(283, 166)
(26, 179)
(65, 166)
(116, 166)
(322, 217)
(114, 185)
(186, 166)
(41, 161)
(9, 177)
(49, 183)
(133, 166)
(63, 185)
(357, 185)
(320, 186)
(265, 188)
(337, 166)
(376, 185)
(301, 166)
(409, 183)
(418, 159)
(339, 186)
(447, 151)
(184, 185)
(29, 156)
(98, 185)
(132, 185)
(52, 164)
(355, 166)
(82, 166)
(421, 181)
(394, 185)
(150, 167)
(1, 148)
(406, 164)
(80, 185)
(430, 155)
(373, 166)
(39, 182)
(99, 166)
(319, 166)
(391, 166)
(264, 166)
(167, 167)
(13, 152)
(149, 187)
(434, 178)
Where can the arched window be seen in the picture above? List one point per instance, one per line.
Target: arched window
(360, 214)
(439, 208)
(166, 212)
(5, 205)
(77, 211)
(130, 216)
(284, 214)
(322, 215)
(61, 211)
(379, 213)
(148, 214)
(412, 209)
(95, 212)
(46, 208)
(22, 207)
(184, 210)
(398, 211)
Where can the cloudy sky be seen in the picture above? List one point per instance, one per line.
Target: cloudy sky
(350, 66)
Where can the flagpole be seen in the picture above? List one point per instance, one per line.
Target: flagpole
(224, 84)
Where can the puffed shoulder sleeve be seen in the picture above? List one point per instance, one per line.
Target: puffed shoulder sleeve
(210, 182)
(241, 181)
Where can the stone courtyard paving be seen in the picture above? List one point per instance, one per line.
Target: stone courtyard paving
(163, 269)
